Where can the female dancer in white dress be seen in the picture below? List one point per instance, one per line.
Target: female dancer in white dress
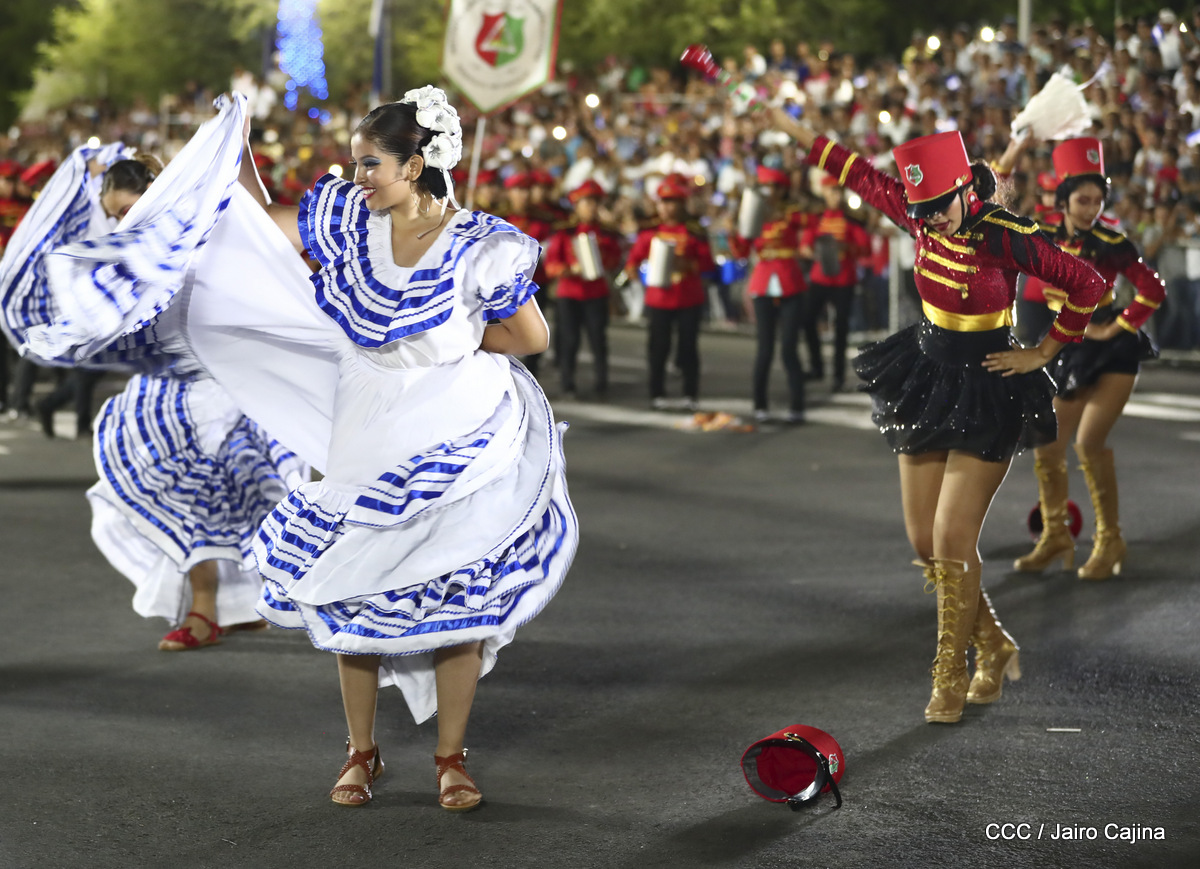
(442, 523)
(185, 478)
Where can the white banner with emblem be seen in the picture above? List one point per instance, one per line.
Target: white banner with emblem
(496, 51)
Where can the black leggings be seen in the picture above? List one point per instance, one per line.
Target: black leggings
(662, 322)
(576, 316)
(783, 317)
(818, 297)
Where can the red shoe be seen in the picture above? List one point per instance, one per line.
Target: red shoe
(455, 762)
(183, 640)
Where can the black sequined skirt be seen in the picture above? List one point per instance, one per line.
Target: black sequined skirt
(930, 392)
(1080, 365)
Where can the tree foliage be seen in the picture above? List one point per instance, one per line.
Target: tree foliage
(126, 49)
(27, 23)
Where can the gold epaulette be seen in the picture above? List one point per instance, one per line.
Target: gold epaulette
(1107, 235)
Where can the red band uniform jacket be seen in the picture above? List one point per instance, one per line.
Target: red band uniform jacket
(560, 259)
(777, 272)
(693, 257)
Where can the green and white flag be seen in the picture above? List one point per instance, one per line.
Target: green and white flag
(497, 51)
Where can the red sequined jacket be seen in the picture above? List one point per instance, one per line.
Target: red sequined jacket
(1111, 254)
(967, 281)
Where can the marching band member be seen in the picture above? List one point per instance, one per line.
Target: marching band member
(674, 301)
(1094, 378)
(834, 243)
(582, 301)
(776, 289)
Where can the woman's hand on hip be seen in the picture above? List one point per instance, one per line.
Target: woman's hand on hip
(1021, 361)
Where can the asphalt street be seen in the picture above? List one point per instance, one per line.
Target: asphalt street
(728, 584)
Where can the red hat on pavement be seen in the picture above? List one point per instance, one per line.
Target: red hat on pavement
(487, 176)
(39, 172)
(933, 169)
(767, 175)
(1078, 157)
(795, 766)
(1047, 181)
(585, 190)
(669, 188)
(519, 181)
(10, 169)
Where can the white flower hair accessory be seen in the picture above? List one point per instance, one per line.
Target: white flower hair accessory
(434, 113)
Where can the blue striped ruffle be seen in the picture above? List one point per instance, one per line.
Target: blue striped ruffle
(495, 594)
(111, 289)
(312, 518)
(149, 450)
(61, 214)
(335, 225)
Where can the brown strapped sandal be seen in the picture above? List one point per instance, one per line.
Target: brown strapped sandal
(455, 762)
(183, 640)
(371, 764)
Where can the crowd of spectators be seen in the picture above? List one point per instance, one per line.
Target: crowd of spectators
(627, 127)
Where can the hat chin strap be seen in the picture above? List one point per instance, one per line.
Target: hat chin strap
(822, 777)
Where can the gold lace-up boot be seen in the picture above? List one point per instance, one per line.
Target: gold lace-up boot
(1108, 547)
(1056, 540)
(996, 655)
(957, 598)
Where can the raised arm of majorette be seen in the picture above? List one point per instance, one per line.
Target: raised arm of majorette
(877, 188)
(1006, 164)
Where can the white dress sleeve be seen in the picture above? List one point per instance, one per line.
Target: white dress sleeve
(500, 272)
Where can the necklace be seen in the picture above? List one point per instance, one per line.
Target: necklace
(432, 228)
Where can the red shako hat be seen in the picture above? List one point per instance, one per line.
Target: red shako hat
(795, 766)
(487, 176)
(588, 188)
(767, 175)
(542, 178)
(10, 169)
(670, 188)
(933, 169)
(519, 181)
(1078, 157)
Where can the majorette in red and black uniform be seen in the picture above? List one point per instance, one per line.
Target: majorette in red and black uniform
(776, 290)
(582, 304)
(1112, 255)
(679, 305)
(928, 385)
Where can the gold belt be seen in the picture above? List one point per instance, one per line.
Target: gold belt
(967, 322)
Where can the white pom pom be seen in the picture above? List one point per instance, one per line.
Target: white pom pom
(1057, 111)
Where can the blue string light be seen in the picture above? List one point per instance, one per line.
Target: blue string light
(301, 53)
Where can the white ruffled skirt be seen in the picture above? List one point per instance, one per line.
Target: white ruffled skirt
(184, 478)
